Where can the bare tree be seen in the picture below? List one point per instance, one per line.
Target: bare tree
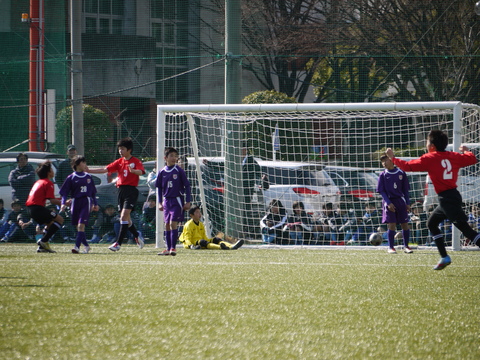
(361, 50)
(428, 50)
(285, 41)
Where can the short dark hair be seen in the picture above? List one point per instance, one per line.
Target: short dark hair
(1, 201)
(170, 150)
(328, 206)
(152, 197)
(77, 159)
(193, 209)
(20, 155)
(126, 142)
(371, 204)
(298, 204)
(438, 138)
(43, 169)
(383, 157)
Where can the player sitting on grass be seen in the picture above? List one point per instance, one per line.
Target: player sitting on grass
(194, 236)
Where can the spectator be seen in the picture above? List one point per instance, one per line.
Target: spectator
(151, 178)
(370, 222)
(148, 218)
(299, 224)
(21, 179)
(104, 226)
(474, 218)
(333, 222)
(253, 180)
(348, 228)
(11, 229)
(273, 222)
(3, 214)
(65, 166)
(67, 231)
(418, 219)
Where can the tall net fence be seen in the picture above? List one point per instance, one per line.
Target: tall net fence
(326, 162)
(140, 53)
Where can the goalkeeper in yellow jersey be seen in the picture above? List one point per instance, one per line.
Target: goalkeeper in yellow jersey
(194, 236)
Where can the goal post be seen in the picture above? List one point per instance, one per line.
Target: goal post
(282, 137)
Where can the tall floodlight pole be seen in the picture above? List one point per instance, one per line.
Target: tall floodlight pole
(77, 75)
(234, 194)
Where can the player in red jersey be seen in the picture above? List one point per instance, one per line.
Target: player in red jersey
(442, 167)
(42, 191)
(129, 169)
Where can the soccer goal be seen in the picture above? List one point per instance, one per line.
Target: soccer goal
(312, 155)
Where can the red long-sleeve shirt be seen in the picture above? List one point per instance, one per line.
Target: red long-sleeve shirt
(442, 167)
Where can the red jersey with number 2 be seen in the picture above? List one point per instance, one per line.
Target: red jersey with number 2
(442, 167)
(125, 177)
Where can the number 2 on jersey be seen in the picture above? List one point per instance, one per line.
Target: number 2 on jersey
(447, 172)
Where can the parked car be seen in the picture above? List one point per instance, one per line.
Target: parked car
(417, 181)
(468, 183)
(106, 189)
(358, 183)
(297, 181)
(8, 162)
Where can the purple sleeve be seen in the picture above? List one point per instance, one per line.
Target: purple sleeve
(65, 189)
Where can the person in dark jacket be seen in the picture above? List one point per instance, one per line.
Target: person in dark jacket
(273, 222)
(21, 179)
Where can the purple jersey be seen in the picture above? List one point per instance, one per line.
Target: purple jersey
(172, 182)
(78, 185)
(393, 184)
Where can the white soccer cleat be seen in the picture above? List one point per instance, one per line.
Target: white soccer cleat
(114, 247)
(140, 241)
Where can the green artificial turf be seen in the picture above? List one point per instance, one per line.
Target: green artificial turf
(253, 303)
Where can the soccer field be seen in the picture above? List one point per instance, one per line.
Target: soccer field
(254, 303)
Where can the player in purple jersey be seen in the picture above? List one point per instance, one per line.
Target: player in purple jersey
(393, 186)
(172, 186)
(79, 186)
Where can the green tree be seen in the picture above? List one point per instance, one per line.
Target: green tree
(99, 142)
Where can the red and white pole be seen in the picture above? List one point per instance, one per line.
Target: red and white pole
(36, 83)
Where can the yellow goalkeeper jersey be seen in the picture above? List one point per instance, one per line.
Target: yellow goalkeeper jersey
(193, 232)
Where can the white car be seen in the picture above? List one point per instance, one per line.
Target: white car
(106, 191)
(8, 162)
(359, 183)
(468, 183)
(297, 181)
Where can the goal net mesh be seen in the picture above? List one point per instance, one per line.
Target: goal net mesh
(311, 159)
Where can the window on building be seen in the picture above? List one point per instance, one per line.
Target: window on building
(169, 28)
(103, 16)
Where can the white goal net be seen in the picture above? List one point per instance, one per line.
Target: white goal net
(323, 158)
